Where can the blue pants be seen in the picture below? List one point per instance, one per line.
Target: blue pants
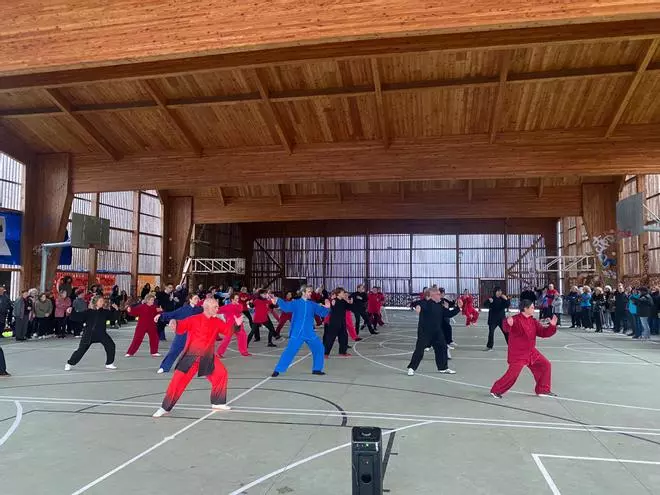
(636, 325)
(292, 348)
(176, 348)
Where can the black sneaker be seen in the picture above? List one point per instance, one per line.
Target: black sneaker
(275, 374)
(496, 396)
(548, 394)
(375, 332)
(316, 372)
(5, 374)
(270, 344)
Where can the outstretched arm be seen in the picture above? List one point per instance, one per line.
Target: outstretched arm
(321, 311)
(284, 305)
(549, 331)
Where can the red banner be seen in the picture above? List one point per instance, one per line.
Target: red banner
(80, 280)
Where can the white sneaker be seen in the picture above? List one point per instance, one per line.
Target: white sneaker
(111, 366)
(452, 346)
(156, 354)
(128, 355)
(67, 367)
(428, 349)
(447, 372)
(159, 413)
(160, 370)
(78, 337)
(220, 407)
(411, 372)
(42, 337)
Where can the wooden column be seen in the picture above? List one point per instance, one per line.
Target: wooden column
(599, 216)
(135, 242)
(177, 231)
(92, 253)
(47, 206)
(551, 248)
(643, 241)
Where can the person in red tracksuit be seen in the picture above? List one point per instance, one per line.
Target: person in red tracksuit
(146, 314)
(284, 316)
(471, 314)
(230, 312)
(198, 357)
(375, 306)
(245, 298)
(261, 308)
(523, 330)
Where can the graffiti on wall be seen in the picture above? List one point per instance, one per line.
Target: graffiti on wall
(605, 249)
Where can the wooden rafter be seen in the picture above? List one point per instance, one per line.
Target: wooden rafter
(634, 82)
(269, 113)
(402, 191)
(469, 189)
(172, 117)
(280, 194)
(498, 108)
(345, 79)
(220, 195)
(65, 106)
(339, 192)
(339, 92)
(380, 105)
(540, 187)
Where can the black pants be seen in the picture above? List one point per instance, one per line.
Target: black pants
(248, 316)
(575, 319)
(3, 321)
(448, 332)
(362, 313)
(256, 331)
(21, 328)
(160, 326)
(558, 315)
(619, 318)
(104, 339)
(439, 344)
(336, 332)
(3, 364)
(598, 320)
(491, 334)
(586, 318)
(60, 326)
(43, 326)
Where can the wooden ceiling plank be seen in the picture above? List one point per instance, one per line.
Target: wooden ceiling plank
(402, 191)
(634, 82)
(269, 113)
(469, 189)
(280, 195)
(340, 196)
(380, 105)
(172, 117)
(634, 29)
(498, 108)
(541, 185)
(221, 196)
(64, 105)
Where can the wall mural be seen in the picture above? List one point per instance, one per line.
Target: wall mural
(605, 250)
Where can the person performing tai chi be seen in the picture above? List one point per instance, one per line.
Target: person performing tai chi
(146, 314)
(302, 330)
(469, 311)
(432, 314)
(230, 311)
(262, 306)
(497, 306)
(360, 299)
(336, 329)
(522, 330)
(191, 309)
(95, 331)
(199, 359)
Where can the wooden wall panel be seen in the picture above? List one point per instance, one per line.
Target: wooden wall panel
(599, 216)
(359, 163)
(15, 147)
(178, 225)
(48, 189)
(488, 203)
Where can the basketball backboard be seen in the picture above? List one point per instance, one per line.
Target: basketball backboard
(630, 215)
(88, 231)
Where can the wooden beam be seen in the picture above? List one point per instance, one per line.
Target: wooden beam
(402, 191)
(489, 203)
(221, 197)
(469, 189)
(498, 107)
(271, 117)
(92, 253)
(404, 162)
(634, 29)
(280, 195)
(338, 92)
(634, 82)
(540, 191)
(340, 197)
(172, 117)
(380, 105)
(64, 105)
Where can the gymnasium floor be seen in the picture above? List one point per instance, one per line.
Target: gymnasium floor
(90, 430)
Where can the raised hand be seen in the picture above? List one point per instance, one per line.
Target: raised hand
(459, 303)
(238, 320)
(490, 299)
(173, 324)
(115, 307)
(327, 304)
(503, 296)
(554, 320)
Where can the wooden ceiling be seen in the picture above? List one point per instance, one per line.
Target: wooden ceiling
(559, 102)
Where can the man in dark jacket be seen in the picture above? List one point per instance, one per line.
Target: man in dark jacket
(620, 307)
(497, 306)
(167, 302)
(654, 323)
(645, 308)
(359, 298)
(5, 307)
(432, 313)
(574, 307)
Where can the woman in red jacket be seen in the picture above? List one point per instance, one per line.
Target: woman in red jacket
(469, 311)
(230, 312)
(146, 314)
(375, 302)
(522, 330)
(261, 308)
(284, 316)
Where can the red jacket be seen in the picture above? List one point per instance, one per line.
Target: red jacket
(375, 302)
(200, 344)
(230, 311)
(146, 315)
(261, 308)
(244, 298)
(522, 337)
(468, 304)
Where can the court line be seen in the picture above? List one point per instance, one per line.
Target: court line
(14, 425)
(546, 475)
(171, 437)
(291, 466)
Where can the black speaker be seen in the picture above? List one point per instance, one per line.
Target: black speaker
(367, 460)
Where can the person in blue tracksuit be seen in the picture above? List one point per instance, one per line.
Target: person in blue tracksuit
(190, 309)
(302, 330)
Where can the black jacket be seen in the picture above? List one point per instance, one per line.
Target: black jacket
(620, 301)
(497, 309)
(5, 303)
(165, 302)
(359, 301)
(644, 306)
(338, 313)
(433, 316)
(96, 323)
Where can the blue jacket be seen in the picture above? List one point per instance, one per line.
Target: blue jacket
(632, 307)
(302, 322)
(585, 300)
(182, 313)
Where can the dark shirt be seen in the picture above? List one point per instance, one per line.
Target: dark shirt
(359, 301)
(497, 309)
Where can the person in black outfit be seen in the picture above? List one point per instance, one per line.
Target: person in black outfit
(574, 307)
(446, 325)
(5, 308)
(497, 306)
(598, 306)
(359, 307)
(432, 314)
(620, 308)
(167, 302)
(336, 327)
(95, 332)
(3, 365)
(145, 290)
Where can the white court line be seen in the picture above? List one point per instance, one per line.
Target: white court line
(291, 466)
(171, 437)
(14, 425)
(78, 373)
(550, 481)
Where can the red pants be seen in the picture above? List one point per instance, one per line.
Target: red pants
(139, 337)
(471, 317)
(540, 368)
(241, 338)
(284, 317)
(180, 381)
(350, 325)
